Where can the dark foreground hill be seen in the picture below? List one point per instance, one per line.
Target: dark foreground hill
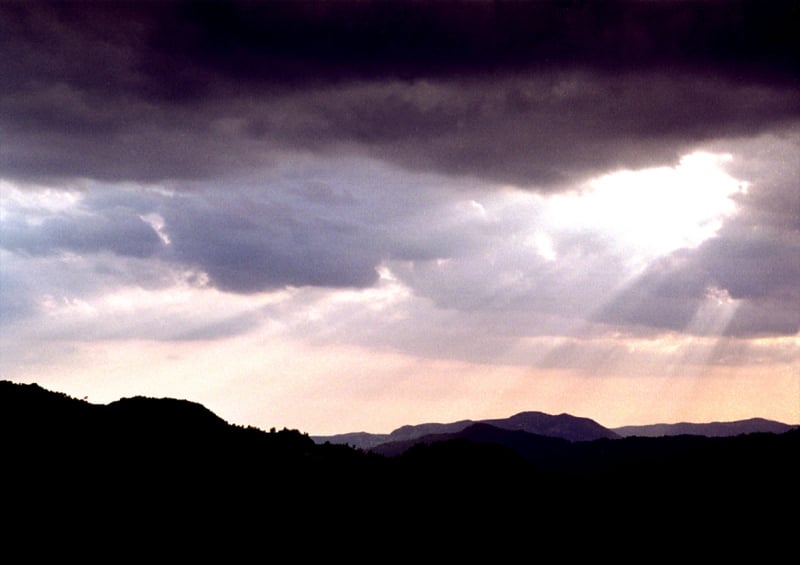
(168, 478)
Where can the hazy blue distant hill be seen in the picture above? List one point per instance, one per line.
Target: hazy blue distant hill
(562, 426)
(710, 429)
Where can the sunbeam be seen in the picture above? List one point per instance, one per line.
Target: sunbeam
(454, 207)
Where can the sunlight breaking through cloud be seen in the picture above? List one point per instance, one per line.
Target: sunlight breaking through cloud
(36, 202)
(654, 211)
(156, 221)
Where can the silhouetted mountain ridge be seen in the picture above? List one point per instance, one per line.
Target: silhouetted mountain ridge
(564, 426)
(140, 471)
(165, 416)
(709, 429)
(523, 443)
(637, 460)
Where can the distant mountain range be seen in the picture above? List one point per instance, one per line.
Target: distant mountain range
(711, 429)
(531, 446)
(562, 426)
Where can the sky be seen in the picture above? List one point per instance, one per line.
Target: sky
(343, 216)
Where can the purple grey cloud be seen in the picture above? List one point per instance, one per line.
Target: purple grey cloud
(203, 98)
(535, 93)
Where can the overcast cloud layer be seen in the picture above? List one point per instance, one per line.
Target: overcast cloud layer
(469, 180)
(535, 93)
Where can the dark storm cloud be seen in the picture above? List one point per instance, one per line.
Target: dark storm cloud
(100, 225)
(246, 244)
(540, 94)
(330, 226)
(530, 92)
(538, 129)
(280, 42)
(324, 225)
(268, 247)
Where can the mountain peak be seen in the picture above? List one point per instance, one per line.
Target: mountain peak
(563, 426)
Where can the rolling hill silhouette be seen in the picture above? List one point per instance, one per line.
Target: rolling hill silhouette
(562, 426)
(151, 473)
(709, 429)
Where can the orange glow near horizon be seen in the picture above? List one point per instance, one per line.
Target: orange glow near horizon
(338, 389)
(331, 361)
